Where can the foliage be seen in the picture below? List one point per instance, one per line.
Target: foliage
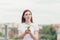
(1, 34)
(48, 33)
(15, 37)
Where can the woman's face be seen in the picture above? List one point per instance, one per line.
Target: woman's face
(27, 15)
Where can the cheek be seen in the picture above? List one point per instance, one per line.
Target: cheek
(25, 17)
(30, 16)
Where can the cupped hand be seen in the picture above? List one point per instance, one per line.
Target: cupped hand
(27, 31)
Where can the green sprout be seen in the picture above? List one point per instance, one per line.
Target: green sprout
(27, 27)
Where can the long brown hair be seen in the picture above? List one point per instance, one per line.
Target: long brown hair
(23, 19)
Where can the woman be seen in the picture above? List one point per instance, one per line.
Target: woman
(25, 32)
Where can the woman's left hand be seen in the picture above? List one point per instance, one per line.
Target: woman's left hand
(28, 31)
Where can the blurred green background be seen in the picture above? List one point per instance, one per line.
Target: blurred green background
(48, 32)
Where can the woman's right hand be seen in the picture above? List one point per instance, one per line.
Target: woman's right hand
(27, 31)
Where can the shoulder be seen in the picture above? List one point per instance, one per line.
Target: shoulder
(35, 25)
(20, 26)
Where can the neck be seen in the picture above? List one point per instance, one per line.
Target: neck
(28, 22)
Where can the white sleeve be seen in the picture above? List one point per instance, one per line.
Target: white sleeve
(19, 29)
(36, 27)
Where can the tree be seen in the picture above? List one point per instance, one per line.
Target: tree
(48, 33)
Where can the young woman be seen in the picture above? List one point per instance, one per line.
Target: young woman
(27, 29)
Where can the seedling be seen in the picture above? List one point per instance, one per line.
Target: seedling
(28, 27)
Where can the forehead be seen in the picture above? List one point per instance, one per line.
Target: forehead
(28, 12)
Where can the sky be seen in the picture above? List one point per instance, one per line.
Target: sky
(44, 11)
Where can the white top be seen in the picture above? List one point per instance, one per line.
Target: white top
(33, 27)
